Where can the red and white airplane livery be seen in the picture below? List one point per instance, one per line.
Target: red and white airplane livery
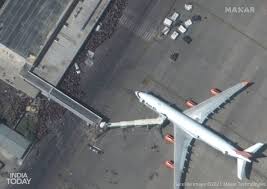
(190, 121)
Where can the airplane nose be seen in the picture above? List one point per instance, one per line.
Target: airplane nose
(137, 94)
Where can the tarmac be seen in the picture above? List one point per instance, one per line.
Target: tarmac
(226, 48)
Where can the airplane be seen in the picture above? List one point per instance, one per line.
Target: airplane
(187, 126)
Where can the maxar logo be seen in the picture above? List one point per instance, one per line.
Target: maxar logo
(239, 10)
(18, 178)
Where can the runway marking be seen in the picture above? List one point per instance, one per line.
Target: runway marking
(146, 30)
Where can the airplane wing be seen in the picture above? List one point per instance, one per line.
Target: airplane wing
(181, 145)
(201, 111)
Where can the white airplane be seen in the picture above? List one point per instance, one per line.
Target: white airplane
(190, 121)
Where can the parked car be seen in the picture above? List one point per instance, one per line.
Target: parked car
(187, 39)
(188, 23)
(95, 149)
(188, 7)
(196, 18)
(165, 30)
(174, 16)
(167, 22)
(182, 29)
(174, 35)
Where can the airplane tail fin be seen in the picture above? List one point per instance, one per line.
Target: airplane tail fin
(241, 162)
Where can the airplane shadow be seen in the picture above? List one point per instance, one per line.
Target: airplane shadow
(248, 169)
(167, 102)
(186, 164)
(258, 155)
(160, 127)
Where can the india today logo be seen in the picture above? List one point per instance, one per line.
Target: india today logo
(239, 10)
(18, 178)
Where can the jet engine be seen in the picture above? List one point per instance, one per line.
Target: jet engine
(190, 103)
(169, 138)
(215, 91)
(169, 164)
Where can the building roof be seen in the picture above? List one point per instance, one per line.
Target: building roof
(12, 143)
(70, 38)
(27, 24)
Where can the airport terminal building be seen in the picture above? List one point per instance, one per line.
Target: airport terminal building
(44, 35)
(38, 41)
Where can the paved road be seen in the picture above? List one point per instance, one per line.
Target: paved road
(226, 48)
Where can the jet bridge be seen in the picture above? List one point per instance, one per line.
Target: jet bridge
(134, 123)
(59, 97)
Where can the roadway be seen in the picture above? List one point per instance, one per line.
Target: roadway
(226, 48)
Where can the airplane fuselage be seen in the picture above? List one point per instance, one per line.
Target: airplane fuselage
(187, 124)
